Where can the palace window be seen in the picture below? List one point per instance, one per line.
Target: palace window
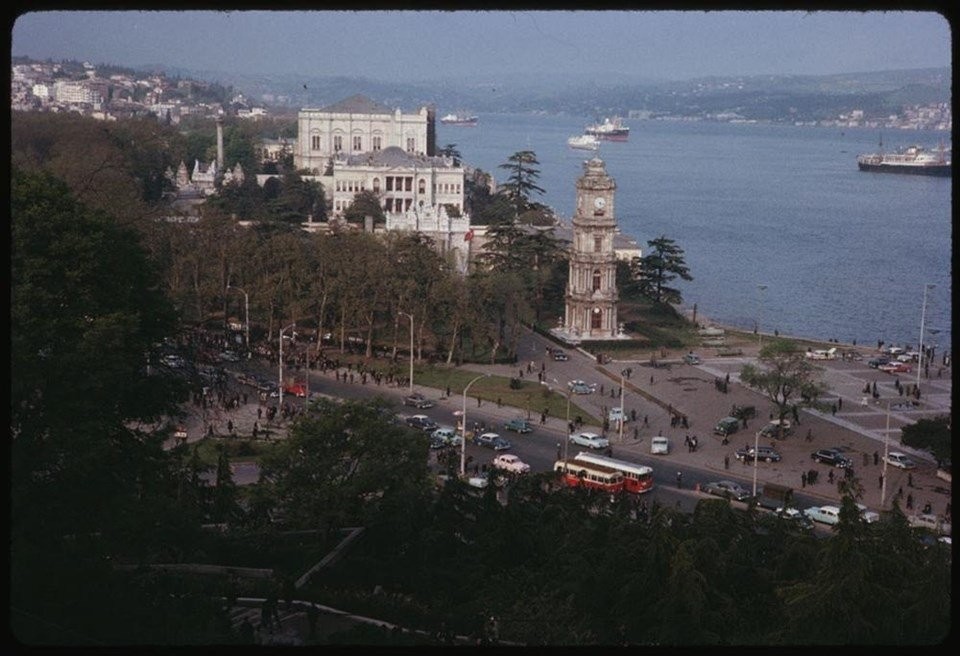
(338, 143)
(596, 319)
(408, 184)
(596, 280)
(389, 183)
(422, 186)
(315, 142)
(376, 143)
(357, 144)
(411, 144)
(376, 185)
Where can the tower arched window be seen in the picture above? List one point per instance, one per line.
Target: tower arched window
(596, 319)
(597, 277)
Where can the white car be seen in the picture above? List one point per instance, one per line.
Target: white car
(868, 516)
(931, 523)
(823, 514)
(900, 460)
(590, 440)
(511, 463)
(447, 435)
(659, 445)
(581, 387)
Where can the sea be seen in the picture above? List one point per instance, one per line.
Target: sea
(778, 226)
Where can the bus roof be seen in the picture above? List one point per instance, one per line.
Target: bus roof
(620, 465)
(575, 464)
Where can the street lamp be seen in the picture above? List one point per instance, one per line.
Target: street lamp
(756, 459)
(622, 418)
(923, 313)
(566, 441)
(411, 348)
(246, 313)
(886, 449)
(463, 418)
(760, 289)
(280, 388)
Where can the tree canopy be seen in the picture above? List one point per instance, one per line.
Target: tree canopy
(785, 376)
(662, 264)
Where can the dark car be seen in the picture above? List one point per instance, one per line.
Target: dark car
(417, 400)
(423, 422)
(766, 454)
(877, 362)
(727, 490)
(491, 441)
(518, 425)
(560, 356)
(831, 457)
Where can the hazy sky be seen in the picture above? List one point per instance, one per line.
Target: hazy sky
(401, 45)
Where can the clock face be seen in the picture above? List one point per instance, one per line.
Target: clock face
(599, 203)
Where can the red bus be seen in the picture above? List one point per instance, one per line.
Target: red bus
(636, 478)
(577, 473)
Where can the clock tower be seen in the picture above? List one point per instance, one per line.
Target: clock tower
(591, 299)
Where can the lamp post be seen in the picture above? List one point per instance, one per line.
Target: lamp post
(761, 289)
(886, 449)
(622, 418)
(246, 314)
(923, 313)
(756, 459)
(411, 348)
(280, 387)
(566, 442)
(463, 418)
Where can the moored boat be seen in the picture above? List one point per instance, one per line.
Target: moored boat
(584, 142)
(459, 119)
(610, 130)
(913, 160)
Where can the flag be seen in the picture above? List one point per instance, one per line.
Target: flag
(469, 235)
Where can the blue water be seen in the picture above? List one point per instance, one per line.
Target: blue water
(844, 254)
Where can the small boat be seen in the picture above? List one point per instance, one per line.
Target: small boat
(584, 142)
(459, 119)
(610, 130)
(913, 160)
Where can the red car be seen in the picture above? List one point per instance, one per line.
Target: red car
(297, 389)
(895, 368)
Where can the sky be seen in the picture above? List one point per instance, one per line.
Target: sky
(419, 45)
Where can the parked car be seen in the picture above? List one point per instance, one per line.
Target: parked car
(796, 517)
(831, 457)
(491, 441)
(581, 387)
(931, 523)
(659, 445)
(764, 453)
(296, 389)
(726, 426)
(417, 400)
(511, 463)
(875, 363)
(895, 368)
(901, 460)
(436, 442)
(869, 516)
(691, 358)
(560, 356)
(518, 425)
(422, 422)
(590, 440)
(777, 429)
(726, 489)
(448, 435)
(823, 514)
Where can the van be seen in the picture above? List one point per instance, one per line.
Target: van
(775, 496)
(726, 426)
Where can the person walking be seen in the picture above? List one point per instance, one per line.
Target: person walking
(679, 480)
(726, 465)
(803, 479)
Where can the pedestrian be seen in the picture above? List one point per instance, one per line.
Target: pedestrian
(558, 450)
(876, 458)
(543, 418)
(601, 390)
(499, 402)
(726, 465)
(909, 502)
(927, 508)
(686, 425)
(830, 476)
(679, 479)
(645, 422)
(833, 409)
(636, 433)
(909, 480)
(651, 380)
(839, 403)
(633, 415)
(803, 479)
(881, 482)
(478, 402)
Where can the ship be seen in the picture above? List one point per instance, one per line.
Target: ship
(459, 119)
(610, 130)
(914, 160)
(584, 142)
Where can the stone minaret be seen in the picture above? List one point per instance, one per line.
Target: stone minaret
(591, 299)
(219, 143)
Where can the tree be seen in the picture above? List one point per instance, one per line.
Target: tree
(365, 203)
(931, 434)
(450, 150)
(662, 264)
(521, 181)
(785, 374)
